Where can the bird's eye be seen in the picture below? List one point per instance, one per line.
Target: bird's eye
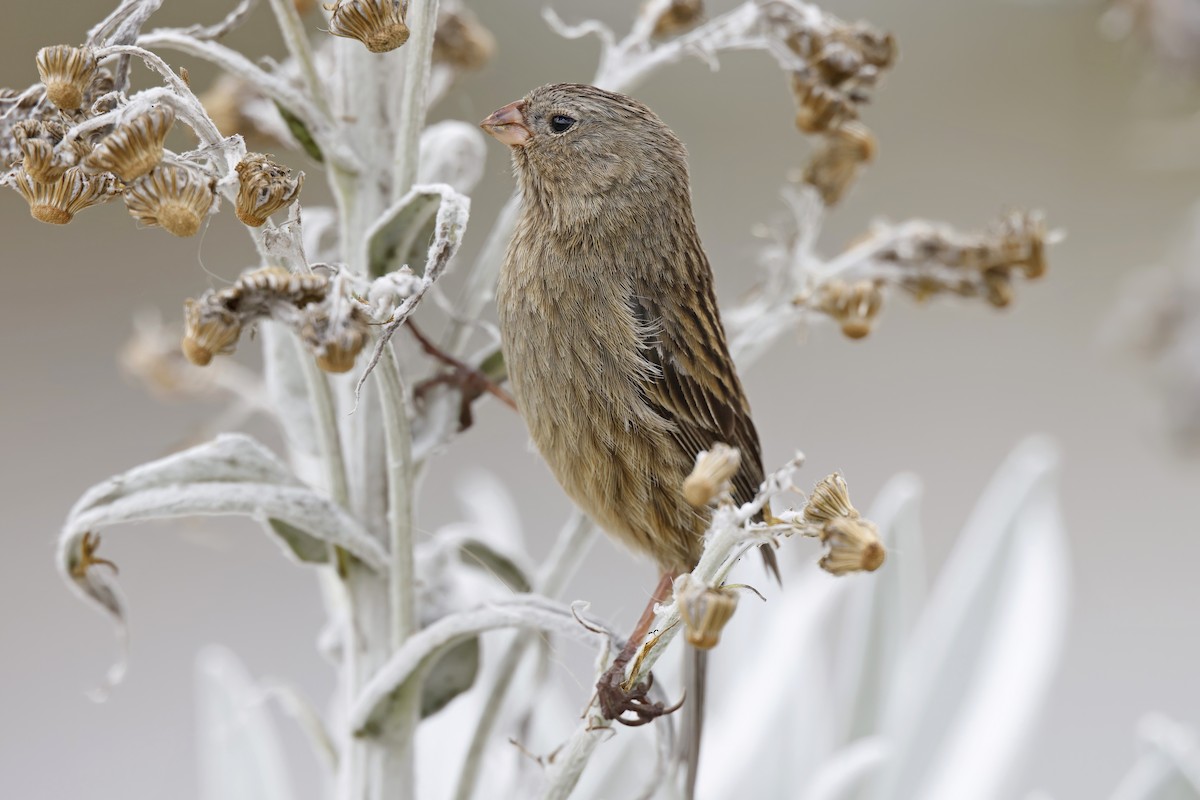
(560, 123)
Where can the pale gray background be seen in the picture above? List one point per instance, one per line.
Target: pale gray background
(993, 105)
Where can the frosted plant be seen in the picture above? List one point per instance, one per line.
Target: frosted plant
(363, 411)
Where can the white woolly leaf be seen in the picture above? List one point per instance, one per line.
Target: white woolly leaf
(419, 651)
(1169, 767)
(401, 235)
(971, 683)
(882, 609)
(231, 475)
(240, 755)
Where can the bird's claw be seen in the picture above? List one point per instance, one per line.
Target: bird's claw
(616, 701)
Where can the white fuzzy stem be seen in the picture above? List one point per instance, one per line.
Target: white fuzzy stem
(422, 21)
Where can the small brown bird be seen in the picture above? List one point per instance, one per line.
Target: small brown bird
(610, 328)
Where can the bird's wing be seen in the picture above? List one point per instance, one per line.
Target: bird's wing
(694, 386)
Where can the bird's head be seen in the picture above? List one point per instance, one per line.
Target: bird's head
(575, 141)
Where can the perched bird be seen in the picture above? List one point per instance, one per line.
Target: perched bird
(610, 329)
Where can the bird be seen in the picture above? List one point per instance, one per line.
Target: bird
(611, 333)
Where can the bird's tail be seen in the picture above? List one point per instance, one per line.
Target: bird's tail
(695, 672)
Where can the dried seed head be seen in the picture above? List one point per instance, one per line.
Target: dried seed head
(264, 188)
(710, 477)
(835, 166)
(209, 329)
(135, 147)
(67, 73)
(297, 288)
(854, 546)
(336, 343)
(704, 611)
(172, 196)
(379, 24)
(461, 41)
(830, 500)
(853, 305)
(42, 158)
(680, 16)
(58, 201)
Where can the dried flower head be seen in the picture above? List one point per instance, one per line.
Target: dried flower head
(135, 147)
(830, 499)
(67, 73)
(336, 340)
(172, 196)
(704, 611)
(209, 329)
(839, 67)
(264, 188)
(42, 158)
(461, 41)
(854, 306)
(379, 24)
(710, 477)
(58, 201)
(679, 16)
(835, 166)
(853, 542)
(935, 259)
(854, 546)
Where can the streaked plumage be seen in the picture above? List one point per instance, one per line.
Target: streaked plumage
(610, 327)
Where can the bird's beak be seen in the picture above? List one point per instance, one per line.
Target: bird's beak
(508, 125)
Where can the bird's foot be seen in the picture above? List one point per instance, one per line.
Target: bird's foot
(616, 701)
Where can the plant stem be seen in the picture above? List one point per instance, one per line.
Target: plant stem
(422, 21)
(562, 562)
(329, 440)
(296, 38)
(398, 439)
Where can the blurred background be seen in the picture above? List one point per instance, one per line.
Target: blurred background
(994, 105)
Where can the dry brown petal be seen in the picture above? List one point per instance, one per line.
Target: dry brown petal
(835, 166)
(68, 73)
(264, 187)
(379, 24)
(135, 147)
(172, 196)
(853, 305)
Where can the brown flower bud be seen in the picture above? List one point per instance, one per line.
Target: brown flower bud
(135, 147)
(264, 188)
(830, 499)
(58, 201)
(835, 166)
(461, 41)
(710, 477)
(853, 305)
(172, 196)
(379, 24)
(337, 352)
(209, 329)
(705, 612)
(67, 73)
(43, 159)
(680, 16)
(854, 546)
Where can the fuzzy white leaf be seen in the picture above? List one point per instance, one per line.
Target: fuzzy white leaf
(231, 475)
(754, 744)
(419, 650)
(454, 153)
(970, 684)
(240, 754)
(845, 773)
(1169, 769)
(882, 609)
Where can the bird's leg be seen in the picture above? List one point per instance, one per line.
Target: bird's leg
(613, 696)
